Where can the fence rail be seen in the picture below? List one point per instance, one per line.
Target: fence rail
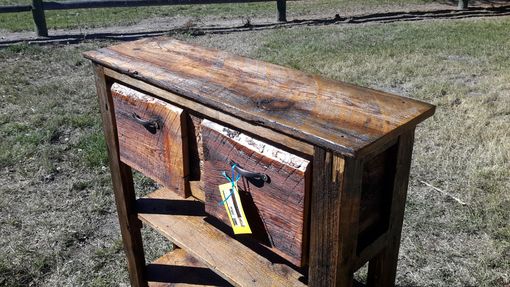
(39, 6)
(15, 8)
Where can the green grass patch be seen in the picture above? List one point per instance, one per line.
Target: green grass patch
(93, 147)
(49, 125)
(40, 266)
(19, 141)
(104, 17)
(459, 66)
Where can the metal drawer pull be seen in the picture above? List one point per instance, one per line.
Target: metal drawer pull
(249, 174)
(150, 125)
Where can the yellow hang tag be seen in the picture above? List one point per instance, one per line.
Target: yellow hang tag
(230, 198)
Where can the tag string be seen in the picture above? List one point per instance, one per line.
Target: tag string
(233, 180)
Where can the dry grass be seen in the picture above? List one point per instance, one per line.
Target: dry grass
(462, 67)
(57, 216)
(104, 17)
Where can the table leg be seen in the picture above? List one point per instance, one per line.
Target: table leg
(122, 185)
(382, 268)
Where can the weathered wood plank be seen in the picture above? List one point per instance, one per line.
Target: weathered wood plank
(195, 146)
(158, 149)
(335, 201)
(350, 201)
(342, 117)
(371, 250)
(378, 173)
(178, 269)
(182, 221)
(197, 190)
(276, 211)
(221, 117)
(122, 185)
(383, 268)
(323, 222)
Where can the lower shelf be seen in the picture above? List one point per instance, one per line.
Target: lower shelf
(177, 268)
(182, 222)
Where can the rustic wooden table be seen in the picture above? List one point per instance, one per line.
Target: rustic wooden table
(336, 156)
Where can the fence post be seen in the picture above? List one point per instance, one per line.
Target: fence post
(39, 18)
(463, 4)
(281, 5)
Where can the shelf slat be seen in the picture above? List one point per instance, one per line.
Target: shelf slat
(177, 268)
(182, 222)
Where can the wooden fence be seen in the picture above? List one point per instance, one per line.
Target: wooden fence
(39, 6)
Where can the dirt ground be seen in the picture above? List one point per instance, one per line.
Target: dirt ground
(165, 24)
(58, 223)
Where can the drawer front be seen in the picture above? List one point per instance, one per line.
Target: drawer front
(151, 137)
(276, 211)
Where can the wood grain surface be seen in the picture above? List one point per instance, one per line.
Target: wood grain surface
(183, 222)
(342, 117)
(202, 108)
(276, 211)
(179, 269)
(377, 184)
(205, 111)
(335, 204)
(382, 269)
(159, 153)
(122, 180)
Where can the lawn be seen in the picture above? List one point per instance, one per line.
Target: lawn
(57, 215)
(89, 18)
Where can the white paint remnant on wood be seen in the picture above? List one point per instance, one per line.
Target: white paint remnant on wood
(263, 148)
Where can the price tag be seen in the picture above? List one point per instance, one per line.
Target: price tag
(232, 201)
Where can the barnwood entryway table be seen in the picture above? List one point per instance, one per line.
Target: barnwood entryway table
(322, 167)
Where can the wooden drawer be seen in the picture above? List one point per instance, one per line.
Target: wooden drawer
(150, 136)
(276, 210)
